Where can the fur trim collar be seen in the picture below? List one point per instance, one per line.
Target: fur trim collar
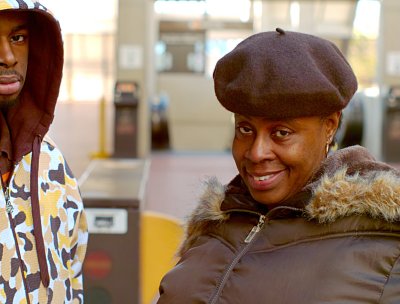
(373, 192)
(376, 195)
(208, 210)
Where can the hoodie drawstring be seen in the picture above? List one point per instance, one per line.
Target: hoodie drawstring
(37, 225)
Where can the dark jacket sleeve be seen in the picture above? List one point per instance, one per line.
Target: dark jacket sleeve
(391, 292)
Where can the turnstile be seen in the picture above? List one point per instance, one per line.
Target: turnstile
(113, 193)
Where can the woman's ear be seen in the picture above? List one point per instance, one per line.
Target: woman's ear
(332, 122)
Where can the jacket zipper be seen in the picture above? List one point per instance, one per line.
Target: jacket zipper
(9, 210)
(256, 229)
(248, 241)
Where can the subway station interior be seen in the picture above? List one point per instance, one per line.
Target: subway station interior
(140, 126)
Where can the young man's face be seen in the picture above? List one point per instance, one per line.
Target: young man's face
(14, 50)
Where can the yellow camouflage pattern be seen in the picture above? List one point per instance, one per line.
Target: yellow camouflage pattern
(64, 229)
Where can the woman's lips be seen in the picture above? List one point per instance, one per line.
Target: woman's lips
(9, 85)
(265, 181)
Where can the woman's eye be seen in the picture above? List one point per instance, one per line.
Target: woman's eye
(281, 133)
(245, 130)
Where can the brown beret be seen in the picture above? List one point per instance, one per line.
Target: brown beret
(284, 74)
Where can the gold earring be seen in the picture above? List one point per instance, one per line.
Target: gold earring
(327, 146)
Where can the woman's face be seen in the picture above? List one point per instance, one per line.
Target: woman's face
(277, 158)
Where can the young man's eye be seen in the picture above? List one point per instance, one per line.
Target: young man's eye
(18, 38)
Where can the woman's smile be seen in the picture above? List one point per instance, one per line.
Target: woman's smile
(277, 158)
(265, 181)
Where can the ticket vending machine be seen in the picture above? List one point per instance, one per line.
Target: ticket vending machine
(391, 127)
(126, 102)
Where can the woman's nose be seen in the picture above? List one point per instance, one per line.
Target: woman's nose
(7, 58)
(260, 150)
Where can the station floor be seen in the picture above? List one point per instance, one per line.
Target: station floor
(174, 179)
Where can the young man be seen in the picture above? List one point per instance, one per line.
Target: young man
(43, 229)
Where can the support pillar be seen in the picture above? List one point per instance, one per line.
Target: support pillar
(388, 73)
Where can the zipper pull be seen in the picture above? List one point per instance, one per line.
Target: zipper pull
(255, 229)
(9, 206)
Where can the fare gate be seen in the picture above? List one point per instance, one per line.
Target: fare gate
(113, 192)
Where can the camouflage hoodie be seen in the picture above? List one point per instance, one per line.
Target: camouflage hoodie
(43, 230)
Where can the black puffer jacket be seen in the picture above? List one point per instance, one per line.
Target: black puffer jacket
(338, 241)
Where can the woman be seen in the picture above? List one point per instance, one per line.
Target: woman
(296, 225)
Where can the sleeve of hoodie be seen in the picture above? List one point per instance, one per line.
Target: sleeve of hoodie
(390, 293)
(78, 239)
(79, 243)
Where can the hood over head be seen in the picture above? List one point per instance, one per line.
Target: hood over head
(30, 118)
(33, 114)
